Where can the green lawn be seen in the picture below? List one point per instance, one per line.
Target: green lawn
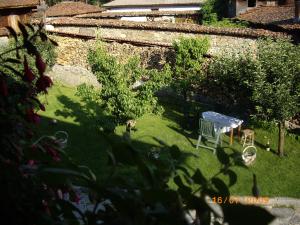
(276, 176)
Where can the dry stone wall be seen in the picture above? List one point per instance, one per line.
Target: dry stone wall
(219, 43)
(73, 51)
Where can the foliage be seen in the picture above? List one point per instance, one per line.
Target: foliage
(128, 90)
(34, 176)
(43, 45)
(231, 80)
(277, 90)
(213, 10)
(188, 66)
(230, 23)
(23, 197)
(266, 86)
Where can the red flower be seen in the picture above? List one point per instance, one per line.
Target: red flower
(32, 116)
(28, 74)
(3, 87)
(40, 65)
(53, 153)
(43, 83)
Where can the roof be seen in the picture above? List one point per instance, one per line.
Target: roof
(130, 3)
(106, 14)
(269, 14)
(3, 32)
(68, 8)
(18, 3)
(160, 26)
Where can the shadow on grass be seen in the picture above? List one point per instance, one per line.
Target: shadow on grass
(87, 144)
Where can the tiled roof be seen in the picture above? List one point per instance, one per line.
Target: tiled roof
(126, 3)
(18, 3)
(133, 14)
(3, 32)
(269, 14)
(68, 8)
(159, 26)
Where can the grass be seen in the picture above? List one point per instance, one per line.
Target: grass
(276, 176)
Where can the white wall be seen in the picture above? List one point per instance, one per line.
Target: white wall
(162, 8)
(135, 18)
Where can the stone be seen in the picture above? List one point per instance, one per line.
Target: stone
(73, 75)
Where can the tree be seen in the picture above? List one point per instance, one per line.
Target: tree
(128, 90)
(277, 89)
(188, 65)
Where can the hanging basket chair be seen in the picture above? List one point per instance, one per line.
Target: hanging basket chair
(249, 155)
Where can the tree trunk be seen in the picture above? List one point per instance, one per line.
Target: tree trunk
(281, 138)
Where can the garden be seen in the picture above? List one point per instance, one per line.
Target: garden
(134, 139)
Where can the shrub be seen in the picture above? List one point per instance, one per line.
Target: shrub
(188, 65)
(277, 90)
(213, 10)
(128, 90)
(230, 81)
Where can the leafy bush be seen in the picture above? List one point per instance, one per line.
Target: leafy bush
(188, 65)
(277, 90)
(266, 86)
(213, 10)
(214, 13)
(128, 90)
(44, 46)
(230, 81)
(230, 23)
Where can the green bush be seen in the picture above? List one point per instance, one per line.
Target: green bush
(188, 65)
(45, 48)
(213, 10)
(231, 80)
(121, 96)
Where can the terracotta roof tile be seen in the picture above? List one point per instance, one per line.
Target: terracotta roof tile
(68, 8)
(106, 14)
(269, 14)
(184, 27)
(3, 32)
(18, 3)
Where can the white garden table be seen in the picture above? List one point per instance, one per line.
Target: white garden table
(226, 123)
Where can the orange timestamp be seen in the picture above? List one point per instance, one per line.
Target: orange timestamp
(250, 200)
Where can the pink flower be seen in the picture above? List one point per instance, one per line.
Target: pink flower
(43, 83)
(31, 162)
(53, 153)
(77, 198)
(40, 65)
(28, 74)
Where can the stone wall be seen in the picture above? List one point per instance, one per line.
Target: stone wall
(73, 51)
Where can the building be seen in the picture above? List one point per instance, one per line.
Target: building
(153, 5)
(237, 7)
(142, 6)
(12, 11)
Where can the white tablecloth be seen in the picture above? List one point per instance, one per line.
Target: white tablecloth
(225, 122)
